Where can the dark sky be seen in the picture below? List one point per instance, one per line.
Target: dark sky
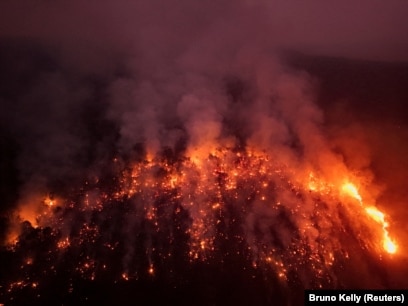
(373, 29)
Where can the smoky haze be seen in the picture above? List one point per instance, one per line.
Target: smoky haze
(162, 62)
(85, 82)
(367, 29)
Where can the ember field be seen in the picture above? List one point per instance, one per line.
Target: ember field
(170, 231)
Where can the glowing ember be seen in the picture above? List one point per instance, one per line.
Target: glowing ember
(49, 202)
(227, 203)
(151, 270)
(29, 261)
(64, 243)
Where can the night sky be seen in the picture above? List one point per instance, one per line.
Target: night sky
(180, 152)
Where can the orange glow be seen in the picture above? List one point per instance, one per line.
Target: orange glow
(389, 245)
(151, 270)
(375, 214)
(206, 187)
(379, 217)
(12, 237)
(352, 191)
(63, 243)
(49, 202)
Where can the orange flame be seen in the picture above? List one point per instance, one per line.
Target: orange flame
(352, 191)
(389, 245)
(379, 217)
(375, 214)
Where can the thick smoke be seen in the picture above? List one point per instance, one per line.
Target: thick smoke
(158, 71)
(85, 85)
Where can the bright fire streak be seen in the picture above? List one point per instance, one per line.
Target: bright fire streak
(352, 191)
(389, 245)
(378, 216)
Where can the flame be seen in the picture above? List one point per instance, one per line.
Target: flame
(50, 202)
(375, 214)
(352, 191)
(379, 217)
(389, 245)
(206, 186)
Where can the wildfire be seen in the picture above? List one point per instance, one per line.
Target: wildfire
(351, 190)
(228, 198)
(376, 215)
(379, 217)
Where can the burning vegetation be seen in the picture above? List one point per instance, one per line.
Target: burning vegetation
(146, 218)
